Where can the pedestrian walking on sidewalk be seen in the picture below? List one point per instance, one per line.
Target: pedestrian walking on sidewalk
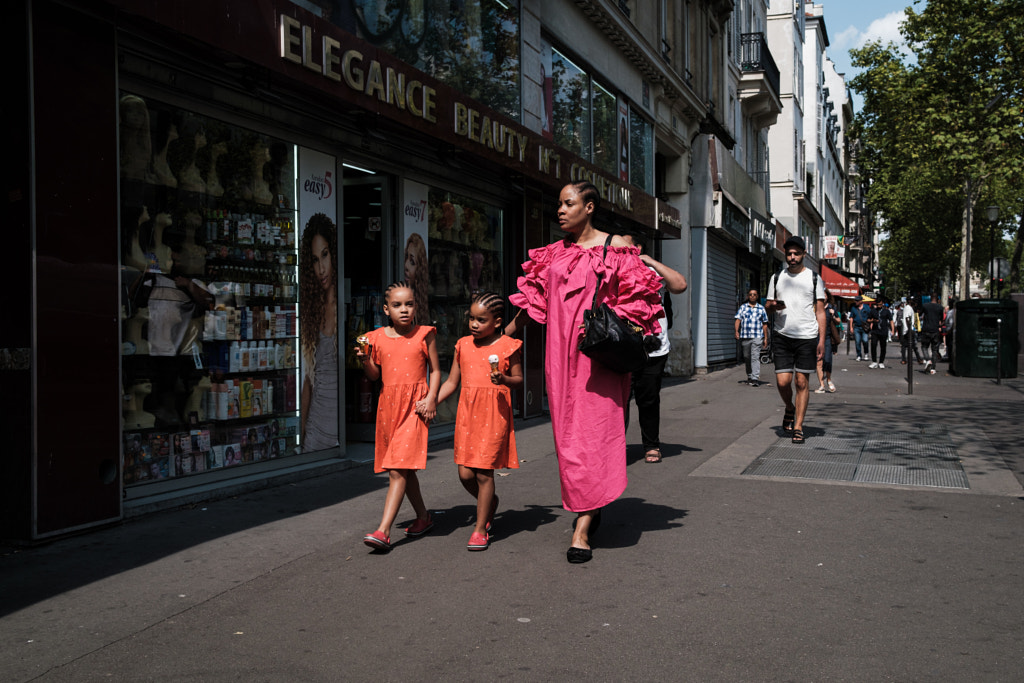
(824, 367)
(752, 332)
(859, 322)
(909, 326)
(587, 400)
(487, 365)
(881, 327)
(646, 382)
(797, 298)
(399, 355)
(931, 335)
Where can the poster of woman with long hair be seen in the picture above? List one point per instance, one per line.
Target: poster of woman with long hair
(318, 314)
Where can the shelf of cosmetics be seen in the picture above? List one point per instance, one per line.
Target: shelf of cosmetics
(255, 356)
(243, 398)
(150, 456)
(272, 283)
(250, 323)
(249, 229)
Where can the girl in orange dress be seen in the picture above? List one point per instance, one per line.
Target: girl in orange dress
(488, 364)
(400, 354)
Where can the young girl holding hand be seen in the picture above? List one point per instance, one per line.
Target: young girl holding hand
(400, 354)
(488, 364)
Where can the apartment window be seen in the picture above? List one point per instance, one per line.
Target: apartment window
(604, 128)
(684, 39)
(582, 112)
(570, 91)
(667, 18)
(641, 151)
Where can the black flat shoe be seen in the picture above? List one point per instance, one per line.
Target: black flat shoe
(579, 555)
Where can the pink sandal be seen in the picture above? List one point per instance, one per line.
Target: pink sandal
(377, 540)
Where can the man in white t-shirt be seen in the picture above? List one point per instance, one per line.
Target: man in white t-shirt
(797, 297)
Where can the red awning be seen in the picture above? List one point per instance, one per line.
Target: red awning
(839, 285)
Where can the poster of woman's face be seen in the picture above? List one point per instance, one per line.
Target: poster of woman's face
(418, 277)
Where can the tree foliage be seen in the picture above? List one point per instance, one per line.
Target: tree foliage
(941, 129)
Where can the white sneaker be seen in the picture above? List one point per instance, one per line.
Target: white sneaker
(932, 371)
(820, 390)
(859, 358)
(881, 366)
(873, 365)
(927, 363)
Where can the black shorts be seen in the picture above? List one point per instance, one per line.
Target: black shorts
(794, 355)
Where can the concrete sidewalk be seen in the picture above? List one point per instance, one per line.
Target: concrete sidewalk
(701, 572)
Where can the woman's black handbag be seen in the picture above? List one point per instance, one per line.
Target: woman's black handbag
(613, 342)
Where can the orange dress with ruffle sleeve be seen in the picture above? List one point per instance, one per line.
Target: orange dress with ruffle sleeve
(402, 435)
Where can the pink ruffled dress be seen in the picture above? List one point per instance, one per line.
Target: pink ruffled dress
(586, 399)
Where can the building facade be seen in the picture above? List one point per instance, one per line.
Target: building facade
(214, 219)
(731, 234)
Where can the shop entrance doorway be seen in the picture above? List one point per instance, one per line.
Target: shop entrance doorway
(366, 206)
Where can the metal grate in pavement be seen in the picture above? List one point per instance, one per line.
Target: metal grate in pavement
(813, 454)
(910, 455)
(895, 474)
(803, 469)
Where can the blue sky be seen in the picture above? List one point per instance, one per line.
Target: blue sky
(852, 23)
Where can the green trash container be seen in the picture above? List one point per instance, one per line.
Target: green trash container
(976, 334)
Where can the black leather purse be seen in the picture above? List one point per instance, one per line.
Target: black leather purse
(613, 342)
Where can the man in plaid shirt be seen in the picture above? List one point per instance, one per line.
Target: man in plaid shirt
(752, 331)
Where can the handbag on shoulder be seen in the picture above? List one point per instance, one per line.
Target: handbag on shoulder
(613, 342)
(833, 331)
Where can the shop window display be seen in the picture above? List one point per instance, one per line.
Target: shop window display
(465, 257)
(209, 294)
(366, 199)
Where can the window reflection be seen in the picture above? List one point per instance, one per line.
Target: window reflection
(470, 45)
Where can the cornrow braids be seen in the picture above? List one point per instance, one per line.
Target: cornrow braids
(401, 284)
(494, 304)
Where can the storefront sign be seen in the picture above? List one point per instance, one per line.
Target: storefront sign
(385, 85)
(291, 41)
(762, 233)
(734, 222)
(670, 224)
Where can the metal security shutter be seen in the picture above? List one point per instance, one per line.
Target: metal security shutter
(722, 301)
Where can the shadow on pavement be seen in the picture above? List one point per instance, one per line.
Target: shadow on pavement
(65, 564)
(625, 521)
(635, 452)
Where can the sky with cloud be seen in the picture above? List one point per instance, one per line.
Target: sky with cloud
(852, 23)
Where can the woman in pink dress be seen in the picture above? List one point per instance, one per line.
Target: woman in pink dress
(585, 398)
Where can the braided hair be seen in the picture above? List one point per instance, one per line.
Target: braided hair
(400, 284)
(494, 304)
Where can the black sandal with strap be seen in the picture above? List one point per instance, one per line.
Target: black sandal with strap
(798, 436)
(788, 420)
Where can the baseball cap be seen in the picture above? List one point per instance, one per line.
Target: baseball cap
(795, 241)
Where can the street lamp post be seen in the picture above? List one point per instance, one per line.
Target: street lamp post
(992, 213)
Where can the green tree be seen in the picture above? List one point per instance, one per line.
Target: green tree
(941, 127)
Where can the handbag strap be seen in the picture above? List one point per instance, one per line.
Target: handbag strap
(600, 276)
